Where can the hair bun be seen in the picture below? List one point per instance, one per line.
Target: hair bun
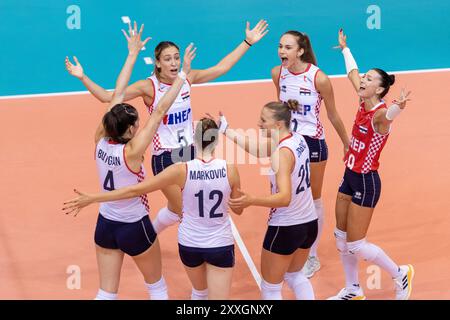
(292, 104)
(391, 79)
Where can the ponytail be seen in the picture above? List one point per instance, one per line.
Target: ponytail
(117, 121)
(304, 43)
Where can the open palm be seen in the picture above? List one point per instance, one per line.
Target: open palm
(76, 69)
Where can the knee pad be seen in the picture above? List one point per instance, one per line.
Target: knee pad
(295, 279)
(271, 291)
(341, 241)
(363, 249)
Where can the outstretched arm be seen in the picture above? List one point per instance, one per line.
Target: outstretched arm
(134, 47)
(350, 63)
(251, 37)
(283, 178)
(137, 146)
(175, 174)
(384, 117)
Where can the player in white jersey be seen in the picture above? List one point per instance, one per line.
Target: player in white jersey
(205, 238)
(293, 220)
(299, 78)
(360, 187)
(173, 141)
(124, 227)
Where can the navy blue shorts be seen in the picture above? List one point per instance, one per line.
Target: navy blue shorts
(318, 149)
(132, 238)
(365, 188)
(222, 257)
(286, 240)
(168, 158)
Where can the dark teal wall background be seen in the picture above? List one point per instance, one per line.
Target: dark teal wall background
(34, 38)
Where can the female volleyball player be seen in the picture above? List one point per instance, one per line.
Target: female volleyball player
(299, 78)
(124, 226)
(361, 186)
(293, 220)
(174, 138)
(206, 244)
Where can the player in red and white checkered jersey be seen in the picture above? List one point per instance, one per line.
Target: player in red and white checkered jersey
(299, 78)
(124, 226)
(361, 186)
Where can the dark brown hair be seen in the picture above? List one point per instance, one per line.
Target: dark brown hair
(117, 121)
(206, 133)
(387, 80)
(304, 43)
(282, 110)
(159, 49)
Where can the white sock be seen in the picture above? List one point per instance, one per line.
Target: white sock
(319, 211)
(199, 294)
(370, 252)
(164, 219)
(300, 285)
(157, 290)
(271, 291)
(103, 295)
(349, 261)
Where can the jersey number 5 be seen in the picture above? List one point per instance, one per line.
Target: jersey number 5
(212, 213)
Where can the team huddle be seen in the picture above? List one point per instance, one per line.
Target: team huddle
(201, 190)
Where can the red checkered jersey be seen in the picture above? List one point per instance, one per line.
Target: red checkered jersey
(114, 173)
(365, 144)
(302, 87)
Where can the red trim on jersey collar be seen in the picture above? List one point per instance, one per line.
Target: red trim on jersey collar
(285, 138)
(111, 141)
(306, 70)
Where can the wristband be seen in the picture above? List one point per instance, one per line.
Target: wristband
(249, 44)
(393, 111)
(223, 124)
(350, 63)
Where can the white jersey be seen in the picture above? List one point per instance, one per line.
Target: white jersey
(302, 87)
(301, 208)
(114, 173)
(176, 130)
(206, 223)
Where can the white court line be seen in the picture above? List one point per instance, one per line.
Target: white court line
(223, 83)
(246, 254)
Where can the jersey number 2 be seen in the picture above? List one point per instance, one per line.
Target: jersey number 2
(303, 174)
(212, 213)
(108, 184)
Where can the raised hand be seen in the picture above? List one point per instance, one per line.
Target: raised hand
(401, 101)
(135, 44)
(254, 35)
(75, 70)
(189, 55)
(342, 38)
(76, 204)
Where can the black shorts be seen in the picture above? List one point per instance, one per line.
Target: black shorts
(132, 238)
(168, 158)
(365, 188)
(318, 149)
(286, 240)
(222, 257)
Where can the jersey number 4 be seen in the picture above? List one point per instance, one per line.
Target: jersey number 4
(108, 184)
(212, 194)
